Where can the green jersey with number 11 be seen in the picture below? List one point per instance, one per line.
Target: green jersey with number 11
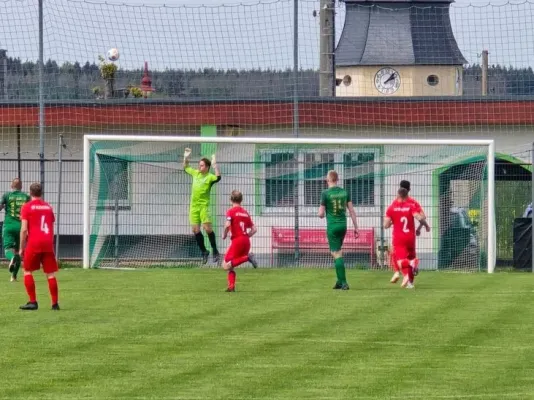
(335, 201)
(13, 202)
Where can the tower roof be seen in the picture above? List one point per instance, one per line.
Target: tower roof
(399, 32)
(426, 2)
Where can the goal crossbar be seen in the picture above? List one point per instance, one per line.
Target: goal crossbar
(491, 228)
(303, 141)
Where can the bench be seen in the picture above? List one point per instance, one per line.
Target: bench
(313, 240)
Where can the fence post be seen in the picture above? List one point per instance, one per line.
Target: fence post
(484, 72)
(327, 43)
(296, 68)
(116, 209)
(41, 99)
(59, 187)
(19, 157)
(296, 115)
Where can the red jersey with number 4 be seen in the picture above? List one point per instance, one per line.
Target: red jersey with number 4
(40, 217)
(402, 215)
(240, 221)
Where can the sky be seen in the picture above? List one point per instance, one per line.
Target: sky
(228, 34)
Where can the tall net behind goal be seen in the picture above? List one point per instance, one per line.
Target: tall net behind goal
(137, 199)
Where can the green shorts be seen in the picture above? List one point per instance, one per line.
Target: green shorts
(11, 236)
(199, 215)
(336, 236)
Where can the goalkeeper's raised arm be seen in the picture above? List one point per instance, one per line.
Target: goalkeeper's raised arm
(215, 166)
(187, 154)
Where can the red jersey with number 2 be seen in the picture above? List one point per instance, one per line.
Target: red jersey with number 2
(402, 215)
(240, 222)
(40, 217)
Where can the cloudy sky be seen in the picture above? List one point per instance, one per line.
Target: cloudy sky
(230, 34)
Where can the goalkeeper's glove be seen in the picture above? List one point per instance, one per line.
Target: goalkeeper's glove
(187, 152)
(213, 160)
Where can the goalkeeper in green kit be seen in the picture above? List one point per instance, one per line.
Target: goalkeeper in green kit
(334, 202)
(12, 202)
(199, 210)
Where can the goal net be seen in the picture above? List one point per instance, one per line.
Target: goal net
(137, 199)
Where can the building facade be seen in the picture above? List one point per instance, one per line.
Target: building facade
(153, 191)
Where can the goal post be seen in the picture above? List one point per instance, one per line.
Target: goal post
(136, 198)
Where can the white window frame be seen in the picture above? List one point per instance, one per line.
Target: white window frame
(338, 160)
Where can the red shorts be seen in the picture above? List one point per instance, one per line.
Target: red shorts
(239, 247)
(34, 260)
(403, 251)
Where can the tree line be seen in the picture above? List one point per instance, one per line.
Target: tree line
(71, 81)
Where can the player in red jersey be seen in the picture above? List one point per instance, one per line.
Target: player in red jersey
(400, 214)
(396, 271)
(239, 223)
(37, 246)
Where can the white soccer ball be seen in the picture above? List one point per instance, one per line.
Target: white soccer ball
(113, 54)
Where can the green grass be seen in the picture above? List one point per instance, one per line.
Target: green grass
(175, 334)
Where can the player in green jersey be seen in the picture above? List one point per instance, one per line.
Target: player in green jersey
(199, 210)
(334, 202)
(13, 202)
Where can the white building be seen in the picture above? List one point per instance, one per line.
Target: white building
(153, 192)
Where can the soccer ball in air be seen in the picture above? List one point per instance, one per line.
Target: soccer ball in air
(113, 54)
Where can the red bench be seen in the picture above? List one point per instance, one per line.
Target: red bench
(314, 240)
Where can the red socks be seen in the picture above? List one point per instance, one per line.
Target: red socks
(231, 274)
(29, 283)
(239, 261)
(52, 287)
(231, 279)
(407, 269)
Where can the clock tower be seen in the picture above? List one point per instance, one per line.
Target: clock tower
(398, 48)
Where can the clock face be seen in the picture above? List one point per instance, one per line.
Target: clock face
(387, 80)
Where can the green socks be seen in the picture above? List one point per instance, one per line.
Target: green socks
(16, 266)
(340, 270)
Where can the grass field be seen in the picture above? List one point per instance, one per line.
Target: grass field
(175, 334)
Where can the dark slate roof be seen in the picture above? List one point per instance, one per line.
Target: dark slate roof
(426, 2)
(397, 33)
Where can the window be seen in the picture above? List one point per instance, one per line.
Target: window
(316, 166)
(290, 180)
(432, 80)
(359, 177)
(281, 172)
(114, 181)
